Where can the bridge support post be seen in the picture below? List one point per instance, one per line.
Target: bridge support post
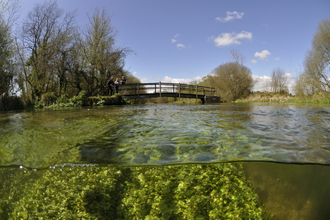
(138, 88)
(160, 89)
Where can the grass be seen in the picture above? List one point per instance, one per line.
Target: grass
(319, 97)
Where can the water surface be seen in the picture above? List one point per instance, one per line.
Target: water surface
(166, 134)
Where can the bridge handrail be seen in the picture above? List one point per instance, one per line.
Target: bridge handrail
(165, 84)
(159, 88)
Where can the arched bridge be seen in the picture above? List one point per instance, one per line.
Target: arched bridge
(153, 90)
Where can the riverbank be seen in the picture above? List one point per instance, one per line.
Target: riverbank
(319, 97)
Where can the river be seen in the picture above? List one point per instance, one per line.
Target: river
(282, 150)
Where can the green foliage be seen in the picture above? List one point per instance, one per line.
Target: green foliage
(101, 100)
(6, 63)
(48, 98)
(80, 99)
(116, 95)
(38, 104)
(63, 99)
(218, 191)
(126, 101)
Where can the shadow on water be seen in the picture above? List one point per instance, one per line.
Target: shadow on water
(291, 191)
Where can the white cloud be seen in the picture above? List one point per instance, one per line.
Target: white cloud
(262, 55)
(168, 79)
(226, 39)
(144, 80)
(288, 75)
(254, 61)
(276, 58)
(180, 46)
(173, 40)
(231, 16)
(261, 82)
(134, 73)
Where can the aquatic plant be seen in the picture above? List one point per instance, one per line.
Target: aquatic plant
(217, 191)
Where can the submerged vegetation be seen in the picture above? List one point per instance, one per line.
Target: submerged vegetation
(217, 191)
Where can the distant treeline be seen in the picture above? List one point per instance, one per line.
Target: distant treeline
(233, 80)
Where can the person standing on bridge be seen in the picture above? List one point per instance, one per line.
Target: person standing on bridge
(116, 85)
(110, 86)
(123, 81)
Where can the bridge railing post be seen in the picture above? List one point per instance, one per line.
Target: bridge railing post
(196, 91)
(138, 89)
(160, 89)
(179, 91)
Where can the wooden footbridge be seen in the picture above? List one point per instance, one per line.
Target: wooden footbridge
(153, 90)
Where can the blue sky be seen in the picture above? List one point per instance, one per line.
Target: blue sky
(181, 40)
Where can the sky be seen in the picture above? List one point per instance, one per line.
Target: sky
(185, 40)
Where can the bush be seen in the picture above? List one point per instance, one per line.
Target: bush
(63, 99)
(38, 105)
(101, 101)
(11, 103)
(126, 101)
(233, 80)
(48, 98)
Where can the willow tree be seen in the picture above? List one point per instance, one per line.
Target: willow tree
(233, 80)
(100, 58)
(317, 60)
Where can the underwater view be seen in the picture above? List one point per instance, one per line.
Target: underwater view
(166, 161)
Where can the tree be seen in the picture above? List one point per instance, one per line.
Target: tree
(302, 86)
(100, 59)
(233, 80)
(46, 40)
(317, 60)
(6, 63)
(278, 82)
(4, 7)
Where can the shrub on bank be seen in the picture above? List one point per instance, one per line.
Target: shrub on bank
(48, 99)
(218, 191)
(11, 103)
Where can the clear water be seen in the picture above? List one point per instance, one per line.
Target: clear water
(163, 134)
(166, 134)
